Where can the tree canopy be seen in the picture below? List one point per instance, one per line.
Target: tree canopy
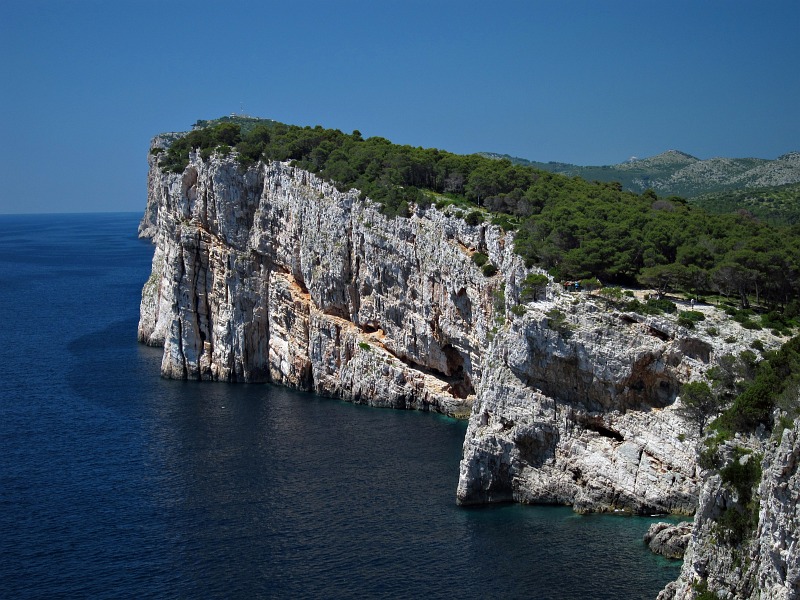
(571, 227)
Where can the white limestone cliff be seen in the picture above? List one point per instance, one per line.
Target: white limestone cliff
(272, 274)
(765, 564)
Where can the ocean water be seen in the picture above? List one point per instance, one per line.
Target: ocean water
(115, 483)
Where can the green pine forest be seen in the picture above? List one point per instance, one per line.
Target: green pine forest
(573, 228)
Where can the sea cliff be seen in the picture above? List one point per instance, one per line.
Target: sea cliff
(269, 273)
(272, 274)
(759, 559)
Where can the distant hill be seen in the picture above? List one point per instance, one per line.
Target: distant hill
(777, 205)
(675, 173)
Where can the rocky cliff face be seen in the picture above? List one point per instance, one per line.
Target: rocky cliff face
(764, 564)
(271, 274)
(274, 275)
(581, 413)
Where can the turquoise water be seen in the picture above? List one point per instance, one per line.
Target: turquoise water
(115, 483)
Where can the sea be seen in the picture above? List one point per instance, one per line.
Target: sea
(116, 483)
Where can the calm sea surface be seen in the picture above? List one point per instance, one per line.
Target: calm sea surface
(115, 483)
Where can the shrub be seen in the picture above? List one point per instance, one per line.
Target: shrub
(518, 310)
(776, 320)
(532, 286)
(488, 270)
(612, 293)
(712, 331)
(557, 321)
(757, 345)
(692, 315)
(480, 259)
(662, 305)
(590, 284)
(701, 591)
(742, 477)
(738, 520)
(364, 346)
(474, 218)
(651, 307)
(688, 318)
(505, 222)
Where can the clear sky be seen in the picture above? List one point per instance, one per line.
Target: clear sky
(87, 83)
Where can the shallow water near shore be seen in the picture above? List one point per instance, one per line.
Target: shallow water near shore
(116, 483)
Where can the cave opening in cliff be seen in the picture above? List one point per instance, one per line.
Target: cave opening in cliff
(459, 379)
(594, 423)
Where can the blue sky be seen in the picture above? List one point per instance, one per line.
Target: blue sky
(87, 83)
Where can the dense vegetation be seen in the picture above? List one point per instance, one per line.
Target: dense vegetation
(778, 205)
(573, 228)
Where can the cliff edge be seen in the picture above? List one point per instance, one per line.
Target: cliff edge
(746, 533)
(269, 273)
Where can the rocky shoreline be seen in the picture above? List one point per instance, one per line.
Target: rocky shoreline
(272, 274)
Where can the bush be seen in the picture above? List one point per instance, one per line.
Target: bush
(590, 284)
(612, 293)
(738, 520)
(757, 345)
(557, 321)
(474, 218)
(489, 270)
(775, 320)
(662, 305)
(480, 259)
(692, 315)
(532, 287)
(712, 331)
(505, 222)
(688, 318)
(742, 477)
(651, 307)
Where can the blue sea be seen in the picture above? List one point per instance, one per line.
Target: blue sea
(115, 483)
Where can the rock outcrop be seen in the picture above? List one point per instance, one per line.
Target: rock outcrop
(271, 274)
(668, 539)
(764, 563)
(580, 412)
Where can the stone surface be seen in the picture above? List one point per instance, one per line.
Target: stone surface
(271, 274)
(274, 275)
(668, 539)
(766, 564)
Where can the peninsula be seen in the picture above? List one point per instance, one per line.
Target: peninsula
(412, 278)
